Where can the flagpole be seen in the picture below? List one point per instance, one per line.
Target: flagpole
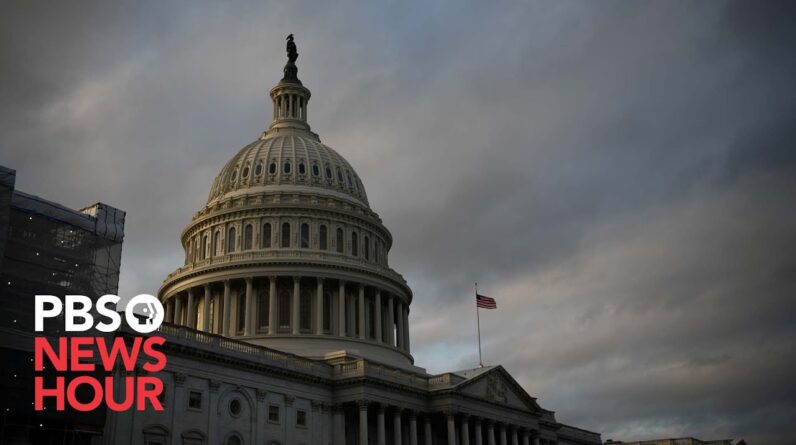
(478, 319)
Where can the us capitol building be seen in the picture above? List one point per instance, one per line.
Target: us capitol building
(286, 324)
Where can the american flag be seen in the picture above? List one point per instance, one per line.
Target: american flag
(485, 302)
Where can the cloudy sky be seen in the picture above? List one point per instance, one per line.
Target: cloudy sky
(621, 177)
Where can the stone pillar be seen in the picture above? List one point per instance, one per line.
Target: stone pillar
(536, 439)
(390, 321)
(479, 439)
(361, 317)
(451, 428)
(319, 307)
(396, 426)
(341, 331)
(490, 433)
(363, 421)
(296, 305)
(465, 430)
(226, 310)
(207, 322)
(381, 436)
(525, 440)
(503, 434)
(412, 428)
(248, 329)
(169, 311)
(273, 324)
(427, 429)
(406, 327)
(191, 322)
(377, 328)
(177, 309)
(399, 324)
(514, 438)
(338, 424)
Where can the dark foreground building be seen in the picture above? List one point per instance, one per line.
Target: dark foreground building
(46, 248)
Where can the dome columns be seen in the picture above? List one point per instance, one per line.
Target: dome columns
(259, 307)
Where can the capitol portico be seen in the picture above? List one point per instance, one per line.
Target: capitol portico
(286, 324)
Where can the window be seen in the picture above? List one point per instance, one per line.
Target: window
(322, 237)
(301, 418)
(349, 179)
(217, 243)
(302, 169)
(286, 168)
(305, 236)
(315, 170)
(248, 234)
(266, 235)
(205, 247)
(305, 310)
(284, 309)
(241, 322)
(245, 173)
(235, 408)
(272, 168)
(234, 175)
(231, 240)
(233, 440)
(273, 413)
(327, 311)
(340, 242)
(258, 170)
(366, 248)
(263, 309)
(195, 400)
(339, 176)
(285, 234)
(328, 172)
(354, 244)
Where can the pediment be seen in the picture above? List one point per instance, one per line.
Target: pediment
(497, 386)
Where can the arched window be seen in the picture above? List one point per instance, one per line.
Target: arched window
(340, 241)
(305, 310)
(248, 235)
(284, 309)
(233, 440)
(328, 172)
(258, 169)
(339, 176)
(263, 309)
(315, 170)
(217, 243)
(231, 240)
(354, 244)
(245, 173)
(286, 168)
(205, 247)
(241, 321)
(366, 248)
(272, 168)
(285, 234)
(327, 311)
(305, 235)
(266, 235)
(322, 237)
(302, 169)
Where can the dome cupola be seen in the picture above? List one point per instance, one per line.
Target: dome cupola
(287, 252)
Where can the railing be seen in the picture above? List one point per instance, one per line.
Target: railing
(287, 254)
(268, 355)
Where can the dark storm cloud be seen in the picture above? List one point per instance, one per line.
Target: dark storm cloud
(620, 176)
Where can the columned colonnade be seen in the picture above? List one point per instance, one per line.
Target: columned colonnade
(459, 428)
(296, 305)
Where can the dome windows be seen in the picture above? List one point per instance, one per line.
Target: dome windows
(340, 176)
(305, 236)
(266, 236)
(328, 173)
(272, 168)
(231, 240)
(350, 184)
(302, 169)
(354, 245)
(285, 234)
(286, 168)
(248, 235)
(245, 173)
(316, 171)
(340, 240)
(322, 237)
(234, 175)
(258, 169)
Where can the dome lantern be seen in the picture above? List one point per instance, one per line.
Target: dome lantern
(289, 96)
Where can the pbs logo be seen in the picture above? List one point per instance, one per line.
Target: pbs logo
(144, 313)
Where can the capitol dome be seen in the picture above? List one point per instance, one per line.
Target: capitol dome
(288, 254)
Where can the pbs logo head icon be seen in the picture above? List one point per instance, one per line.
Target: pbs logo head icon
(144, 313)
